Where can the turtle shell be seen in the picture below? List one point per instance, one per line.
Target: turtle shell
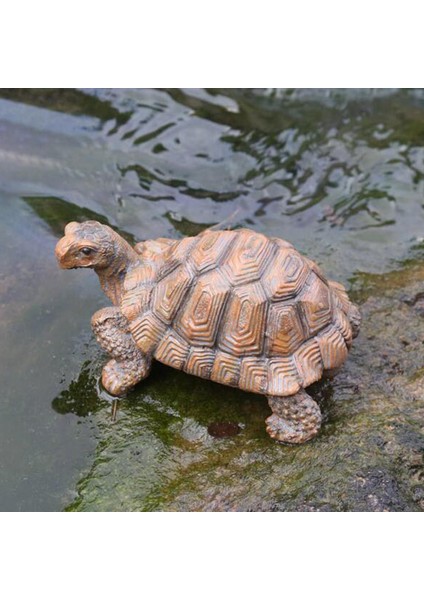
(239, 308)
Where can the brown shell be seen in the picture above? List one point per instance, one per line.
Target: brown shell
(238, 308)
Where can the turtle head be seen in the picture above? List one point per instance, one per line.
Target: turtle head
(87, 245)
(96, 246)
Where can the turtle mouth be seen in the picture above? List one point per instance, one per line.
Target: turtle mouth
(65, 267)
(78, 267)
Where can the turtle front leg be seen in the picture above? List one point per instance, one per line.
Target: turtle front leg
(128, 365)
(295, 419)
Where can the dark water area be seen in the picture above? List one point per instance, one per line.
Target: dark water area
(338, 173)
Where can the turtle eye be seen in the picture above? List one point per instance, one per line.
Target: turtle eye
(87, 251)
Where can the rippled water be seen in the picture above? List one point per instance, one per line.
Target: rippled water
(339, 173)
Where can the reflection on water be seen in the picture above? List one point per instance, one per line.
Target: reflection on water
(56, 213)
(339, 173)
(346, 166)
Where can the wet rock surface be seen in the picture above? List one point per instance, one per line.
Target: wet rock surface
(162, 455)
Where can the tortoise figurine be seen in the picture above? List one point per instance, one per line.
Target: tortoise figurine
(236, 307)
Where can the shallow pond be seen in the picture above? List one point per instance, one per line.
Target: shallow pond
(339, 173)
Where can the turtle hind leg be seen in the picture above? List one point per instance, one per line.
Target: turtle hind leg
(295, 419)
(128, 365)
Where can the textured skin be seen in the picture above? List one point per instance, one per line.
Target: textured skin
(294, 419)
(128, 365)
(232, 306)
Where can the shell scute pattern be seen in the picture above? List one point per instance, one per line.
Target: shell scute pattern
(135, 303)
(282, 243)
(254, 374)
(340, 295)
(226, 368)
(247, 258)
(147, 331)
(243, 324)
(138, 286)
(315, 304)
(240, 309)
(174, 255)
(172, 350)
(315, 268)
(209, 251)
(309, 363)
(154, 250)
(141, 275)
(169, 293)
(284, 328)
(286, 274)
(200, 362)
(332, 347)
(283, 378)
(341, 321)
(199, 319)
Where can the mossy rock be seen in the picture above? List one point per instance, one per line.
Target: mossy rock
(159, 455)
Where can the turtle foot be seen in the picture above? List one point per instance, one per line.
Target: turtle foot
(286, 432)
(118, 377)
(295, 419)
